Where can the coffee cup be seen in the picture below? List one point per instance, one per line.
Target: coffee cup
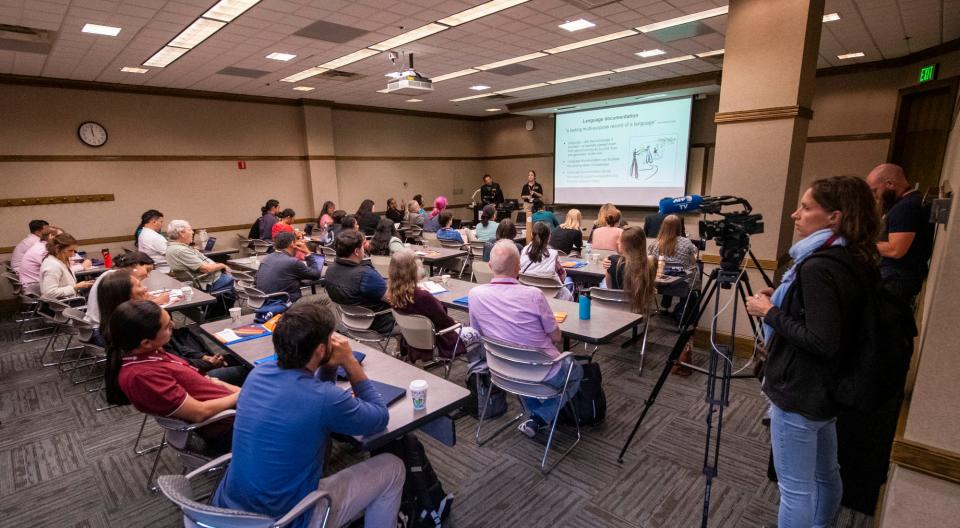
(187, 292)
(235, 314)
(444, 279)
(418, 394)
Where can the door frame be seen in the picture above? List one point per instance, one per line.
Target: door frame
(951, 83)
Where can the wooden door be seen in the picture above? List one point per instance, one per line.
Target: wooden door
(921, 128)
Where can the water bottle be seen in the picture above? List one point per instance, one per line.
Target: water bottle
(107, 258)
(202, 238)
(584, 306)
(586, 251)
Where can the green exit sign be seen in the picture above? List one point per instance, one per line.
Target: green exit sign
(928, 72)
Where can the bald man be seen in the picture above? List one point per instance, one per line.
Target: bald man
(907, 232)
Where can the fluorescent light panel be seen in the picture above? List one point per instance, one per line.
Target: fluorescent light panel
(165, 56)
(303, 88)
(479, 11)
(197, 32)
(131, 69)
(651, 53)
(711, 53)
(581, 77)
(686, 19)
(454, 75)
(349, 59)
(409, 36)
(521, 88)
(653, 64)
(316, 70)
(227, 10)
(576, 25)
(832, 17)
(97, 29)
(853, 55)
(472, 97)
(492, 110)
(281, 56)
(414, 100)
(505, 62)
(590, 42)
(480, 87)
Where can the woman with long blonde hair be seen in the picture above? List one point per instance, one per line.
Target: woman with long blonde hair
(675, 248)
(568, 236)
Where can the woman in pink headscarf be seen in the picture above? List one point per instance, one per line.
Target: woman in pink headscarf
(432, 223)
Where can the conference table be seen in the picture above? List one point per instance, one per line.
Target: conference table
(604, 323)
(157, 280)
(217, 255)
(443, 397)
(435, 256)
(594, 272)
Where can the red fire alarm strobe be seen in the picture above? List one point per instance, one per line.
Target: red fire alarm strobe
(241, 164)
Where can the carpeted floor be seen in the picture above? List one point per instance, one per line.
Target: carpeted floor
(62, 463)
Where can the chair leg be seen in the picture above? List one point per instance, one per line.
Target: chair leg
(156, 462)
(483, 414)
(553, 428)
(136, 445)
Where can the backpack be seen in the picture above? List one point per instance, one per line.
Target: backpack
(875, 371)
(424, 503)
(269, 310)
(498, 398)
(590, 402)
(254, 230)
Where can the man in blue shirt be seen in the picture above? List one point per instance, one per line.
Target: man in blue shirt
(284, 415)
(352, 281)
(281, 271)
(446, 232)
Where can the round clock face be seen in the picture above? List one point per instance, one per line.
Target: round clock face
(529, 124)
(92, 134)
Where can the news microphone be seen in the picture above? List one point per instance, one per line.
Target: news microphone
(683, 204)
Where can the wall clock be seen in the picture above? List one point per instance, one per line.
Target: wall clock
(92, 134)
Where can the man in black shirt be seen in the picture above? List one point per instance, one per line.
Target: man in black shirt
(907, 231)
(490, 192)
(531, 191)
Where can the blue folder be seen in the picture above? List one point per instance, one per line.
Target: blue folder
(465, 300)
(390, 393)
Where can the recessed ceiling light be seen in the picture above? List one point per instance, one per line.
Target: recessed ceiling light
(414, 100)
(165, 56)
(521, 88)
(316, 70)
(710, 13)
(505, 62)
(454, 75)
(96, 29)
(853, 55)
(281, 56)
(710, 53)
(580, 77)
(653, 64)
(227, 10)
(577, 25)
(651, 53)
(409, 36)
(472, 97)
(197, 32)
(480, 87)
(303, 88)
(349, 59)
(832, 17)
(131, 69)
(590, 42)
(479, 11)
(492, 109)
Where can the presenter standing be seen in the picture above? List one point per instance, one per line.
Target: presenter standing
(532, 191)
(490, 194)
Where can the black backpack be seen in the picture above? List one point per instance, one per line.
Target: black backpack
(876, 370)
(590, 401)
(498, 398)
(254, 230)
(424, 503)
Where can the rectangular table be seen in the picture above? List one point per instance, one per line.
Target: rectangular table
(443, 396)
(594, 271)
(158, 280)
(218, 255)
(251, 264)
(604, 323)
(442, 254)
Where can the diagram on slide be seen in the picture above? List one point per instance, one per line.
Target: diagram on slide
(650, 155)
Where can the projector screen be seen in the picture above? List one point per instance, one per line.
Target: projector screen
(628, 155)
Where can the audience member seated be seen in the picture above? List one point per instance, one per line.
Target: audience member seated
(414, 216)
(186, 261)
(326, 215)
(408, 298)
(148, 239)
(263, 227)
(540, 260)
(394, 212)
(675, 250)
(35, 227)
(337, 226)
(29, 271)
(366, 218)
(606, 237)
(601, 220)
(352, 281)
(277, 462)
(386, 240)
(57, 280)
(446, 232)
(284, 222)
(507, 230)
(140, 372)
(136, 263)
(281, 271)
(507, 310)
(349, 223)
(652, 223)
(487, 228)
(542, 215)
(419, 199)
(568, 237)
(432, 222)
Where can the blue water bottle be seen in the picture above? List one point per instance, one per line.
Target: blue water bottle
(584, 307)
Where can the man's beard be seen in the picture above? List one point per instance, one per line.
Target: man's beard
(887, 199)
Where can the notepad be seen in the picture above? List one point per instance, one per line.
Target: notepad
(428, 253)
(560, 316)
(433, 287)
(230, 336)
(573, 264)
(465, 300)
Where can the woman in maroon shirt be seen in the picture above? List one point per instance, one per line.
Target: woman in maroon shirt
(408, 298)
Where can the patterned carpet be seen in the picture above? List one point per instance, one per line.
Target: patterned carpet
(62, 463)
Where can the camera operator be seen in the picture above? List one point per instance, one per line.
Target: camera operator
(807, 329)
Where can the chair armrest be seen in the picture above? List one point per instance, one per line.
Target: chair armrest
(277, 295)
(221, 460)
(457, 326)
(562, 356)
(301, 507)
(381, 312)
(175, 423)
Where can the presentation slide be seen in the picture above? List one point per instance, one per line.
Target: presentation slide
(628, 155)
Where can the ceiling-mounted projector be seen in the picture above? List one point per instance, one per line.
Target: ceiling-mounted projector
(408, 82)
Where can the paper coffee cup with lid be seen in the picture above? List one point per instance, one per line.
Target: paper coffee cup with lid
(418, 394)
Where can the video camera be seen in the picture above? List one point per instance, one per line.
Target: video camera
(732, 232)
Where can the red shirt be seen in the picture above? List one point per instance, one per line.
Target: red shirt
(158, 383)
(280, 227)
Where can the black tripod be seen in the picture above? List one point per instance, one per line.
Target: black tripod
(719, 369)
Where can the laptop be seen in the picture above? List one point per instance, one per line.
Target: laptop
(210, 243)
(389, 392)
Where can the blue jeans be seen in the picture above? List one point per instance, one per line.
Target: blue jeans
(545, 411)
(805, 456)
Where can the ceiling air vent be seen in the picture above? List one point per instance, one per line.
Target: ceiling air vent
(340, 75)
(591, 4)
(26, 39)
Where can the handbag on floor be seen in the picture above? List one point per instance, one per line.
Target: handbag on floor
(590, 402)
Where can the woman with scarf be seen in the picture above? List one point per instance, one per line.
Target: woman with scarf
(809, 327)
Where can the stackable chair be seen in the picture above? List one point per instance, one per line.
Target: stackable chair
(356, 321)
(617, 300)
(418, 332)
(181, 437)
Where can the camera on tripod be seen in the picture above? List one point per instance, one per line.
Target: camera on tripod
(732, 232)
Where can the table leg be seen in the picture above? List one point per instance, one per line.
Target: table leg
(566, 343)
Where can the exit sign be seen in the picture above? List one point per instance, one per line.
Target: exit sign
(928, 72)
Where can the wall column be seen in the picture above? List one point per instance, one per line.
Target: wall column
(319, 147)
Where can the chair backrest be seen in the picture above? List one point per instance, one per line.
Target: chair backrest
(241, 276)
(355, 317)
(418, 331)
(381, 263)
(610, 298)
(78, 319)
(261, 247)
(453, 244)
(255, 298)
(476, 249)
(482, 271)
(177, 488)
(520, 369)
(548, 285)
(53, 310)
(328, 252)
(431, 242)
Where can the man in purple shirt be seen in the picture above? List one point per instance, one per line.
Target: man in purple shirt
(507, 310)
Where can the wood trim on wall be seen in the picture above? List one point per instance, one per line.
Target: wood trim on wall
(933, 461)
(17, 158)
(766, 264)
(743, 346)
(763, 114)
(898, 62)
(55, 200)
(872, 136)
